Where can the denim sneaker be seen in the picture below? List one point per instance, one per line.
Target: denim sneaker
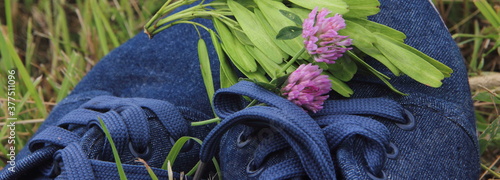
(376, 134)
(147, 91)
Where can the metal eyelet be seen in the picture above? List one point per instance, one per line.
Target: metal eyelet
(410, 121)
(186, 147)
(251, 171)
(146, 154)
(384, 177)
(242, 140)
(393, 152)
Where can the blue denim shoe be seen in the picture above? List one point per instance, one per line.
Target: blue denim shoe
(376, 134)
(147, 91)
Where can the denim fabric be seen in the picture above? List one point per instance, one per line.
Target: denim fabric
(429, 134)
(376, 134)
(164, 68)
(444, 144)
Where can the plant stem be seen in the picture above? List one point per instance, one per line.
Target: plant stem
(210, 121)
(252, 103)
(289, 63)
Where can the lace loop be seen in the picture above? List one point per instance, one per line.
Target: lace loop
(128, 121)
(292, 123)
(343, 127)
(228, 101)
(76, 165)
(350, 127)
(53, 135)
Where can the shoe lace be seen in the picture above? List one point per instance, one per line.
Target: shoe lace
(127, 121)
(317, 139)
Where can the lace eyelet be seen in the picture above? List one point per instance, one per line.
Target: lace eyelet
(186, 147)
(243, 141)
(251, 171)
(393, 151)
(146, 154)
(384, 177)
(410, 124)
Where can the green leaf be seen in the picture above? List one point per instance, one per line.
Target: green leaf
(322, 65)
(289, 32)
(491, 132)
(487, 97)
(339, 86)
(440, 66)
(227, 75)
(343, 69)
(278, 82)
(284, 45)
(268, 66)
(242, 37)
(362, 8)
(380, 28)
(375, 72)
(206, 70)
(301, 12)
(336, 6)
(364, 40)
(241, 59)
(410, 63)
(268, 86)
(271, 16)
(292, 16)
(256, 32)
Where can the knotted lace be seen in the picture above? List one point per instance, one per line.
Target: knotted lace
(318, 140)
(127, 122)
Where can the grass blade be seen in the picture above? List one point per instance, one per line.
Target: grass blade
(176, 148)
(150, 171)
(65, 85)
(100, 29)
(23, 73)
(119, 166)
(488, 12)
(8, 18)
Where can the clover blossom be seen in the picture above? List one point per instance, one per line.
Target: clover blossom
(307, 88)
(321, 36)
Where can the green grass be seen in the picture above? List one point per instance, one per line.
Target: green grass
(53, 44)
(119, 165)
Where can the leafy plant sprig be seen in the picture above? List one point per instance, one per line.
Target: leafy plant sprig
(261, 36)
(262, 39)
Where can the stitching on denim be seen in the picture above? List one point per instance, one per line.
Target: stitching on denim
(449, 115)
(434, 6)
